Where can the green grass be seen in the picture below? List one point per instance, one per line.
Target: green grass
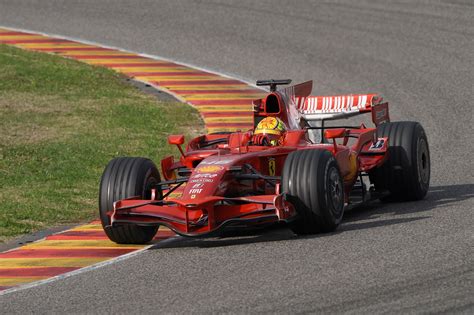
(61, 122)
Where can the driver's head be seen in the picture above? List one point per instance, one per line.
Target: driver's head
(270, 129)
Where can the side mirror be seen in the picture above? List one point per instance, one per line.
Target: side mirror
(334, 133)
(176, 139)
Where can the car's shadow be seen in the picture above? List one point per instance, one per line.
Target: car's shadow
(368, 216)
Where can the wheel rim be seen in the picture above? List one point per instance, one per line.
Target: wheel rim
(423, 162)
(335, 190)
(149, 184)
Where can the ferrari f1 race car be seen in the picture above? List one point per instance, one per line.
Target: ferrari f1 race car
(291, 168)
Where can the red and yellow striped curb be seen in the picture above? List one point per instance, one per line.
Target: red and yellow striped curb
(63, 252)
(224, 103)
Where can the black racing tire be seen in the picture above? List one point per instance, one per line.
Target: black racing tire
(313, 184)
(406, 173)
(126, 177)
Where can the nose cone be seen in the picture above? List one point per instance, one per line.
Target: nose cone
(204, 181)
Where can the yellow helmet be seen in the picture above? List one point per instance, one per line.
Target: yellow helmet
(271, 128)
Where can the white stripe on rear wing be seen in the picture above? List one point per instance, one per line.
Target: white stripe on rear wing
(335, 107)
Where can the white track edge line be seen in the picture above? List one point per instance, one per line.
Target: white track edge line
(81, 270)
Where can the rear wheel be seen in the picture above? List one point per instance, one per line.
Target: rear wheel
(313, 183)
(406, 173)
(126, 177)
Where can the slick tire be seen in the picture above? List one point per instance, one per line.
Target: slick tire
(313, 184)
(126, 177)
(406, 173)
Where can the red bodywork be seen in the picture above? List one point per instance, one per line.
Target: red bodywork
(222, 179)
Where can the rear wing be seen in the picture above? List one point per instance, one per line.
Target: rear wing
(317, 108)
(302, 106)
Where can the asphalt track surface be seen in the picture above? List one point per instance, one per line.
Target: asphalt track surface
(404, 257)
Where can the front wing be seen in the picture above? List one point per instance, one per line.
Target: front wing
(203, 216)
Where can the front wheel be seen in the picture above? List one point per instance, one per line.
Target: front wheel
(313, 183)
(126, 177)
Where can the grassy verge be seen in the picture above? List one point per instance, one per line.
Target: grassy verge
(61, 122)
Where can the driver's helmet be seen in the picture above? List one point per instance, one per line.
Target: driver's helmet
(270, 130)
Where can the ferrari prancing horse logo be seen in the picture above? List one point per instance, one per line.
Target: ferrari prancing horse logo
(271, 166)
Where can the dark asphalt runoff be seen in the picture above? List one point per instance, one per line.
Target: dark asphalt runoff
(411, 257)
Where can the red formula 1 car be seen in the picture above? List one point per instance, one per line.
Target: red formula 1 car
(294, 169)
